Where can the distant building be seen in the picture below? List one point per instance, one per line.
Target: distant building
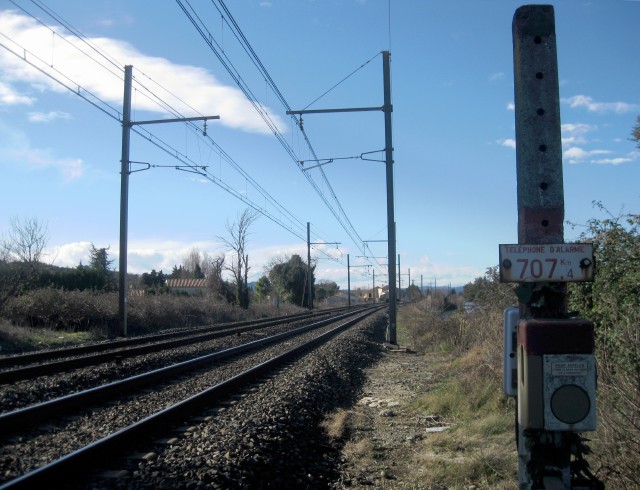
(189, 286)
(373, 295)
(341, 298)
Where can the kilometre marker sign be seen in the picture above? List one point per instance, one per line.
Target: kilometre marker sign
(562, 262)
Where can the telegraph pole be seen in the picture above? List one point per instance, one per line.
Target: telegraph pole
(373, 287)
(125, 170)
(387, 108)
(309, 243)
(391, 220)
(310, 295)
(349, 266)
(124, 200)
(348, 282)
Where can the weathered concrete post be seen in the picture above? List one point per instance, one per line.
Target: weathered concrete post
(537, 107)
(544, 456)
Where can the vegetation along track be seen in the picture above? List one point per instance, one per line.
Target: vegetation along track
(90, 434)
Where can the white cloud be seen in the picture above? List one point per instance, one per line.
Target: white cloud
(266, 4)
(8, 96)
(599, 107)
(575, 154)
(495, 77)
(71, 254)
(146, 255)
(612, 161)
(618, 161)
(194, 87)
(574, 134)
(507, 142)
(70, 168)
(16, 149)
(511, 106)
(46, 117)
(444, 272)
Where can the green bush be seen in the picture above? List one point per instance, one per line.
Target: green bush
(612, 302)
(63, 310)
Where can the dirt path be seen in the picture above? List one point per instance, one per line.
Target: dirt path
(385, 434)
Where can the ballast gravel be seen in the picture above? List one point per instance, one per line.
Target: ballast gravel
(28, 392)
(267, 438)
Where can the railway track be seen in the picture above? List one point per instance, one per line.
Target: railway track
(188, 385)
(47, 381)
(27, 366)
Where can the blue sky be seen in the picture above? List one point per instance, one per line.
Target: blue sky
(453, 127)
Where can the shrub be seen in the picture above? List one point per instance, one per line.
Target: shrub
(83, 310)
(63, 310)
(612, 302)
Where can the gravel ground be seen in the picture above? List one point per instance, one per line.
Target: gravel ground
(268, 438)
(28, 451)
(383, 437)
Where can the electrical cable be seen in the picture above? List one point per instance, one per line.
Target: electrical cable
(77, 89)
(339, 214)
(114, 113)
(343, 80)
(118, 75)
(74, 31)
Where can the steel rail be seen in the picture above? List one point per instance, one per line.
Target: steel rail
(11, 422)
(31, 357)
(81, 460)
(30, 372)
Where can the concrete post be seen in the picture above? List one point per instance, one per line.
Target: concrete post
(538, 143)
(543, 456)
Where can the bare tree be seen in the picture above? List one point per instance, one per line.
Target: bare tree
(26, 241)
(237, 244)
(214, 268)
(21, 254)
(193, 263)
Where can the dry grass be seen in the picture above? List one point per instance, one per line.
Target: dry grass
(335, 426)
(14, 339)
(362, 450)
(479, 450)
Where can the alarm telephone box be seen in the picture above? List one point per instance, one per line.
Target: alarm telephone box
(556, 374)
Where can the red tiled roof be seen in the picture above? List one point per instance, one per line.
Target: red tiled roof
(187, 283)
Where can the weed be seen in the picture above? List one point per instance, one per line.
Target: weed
(479, 449)
(14, 339)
